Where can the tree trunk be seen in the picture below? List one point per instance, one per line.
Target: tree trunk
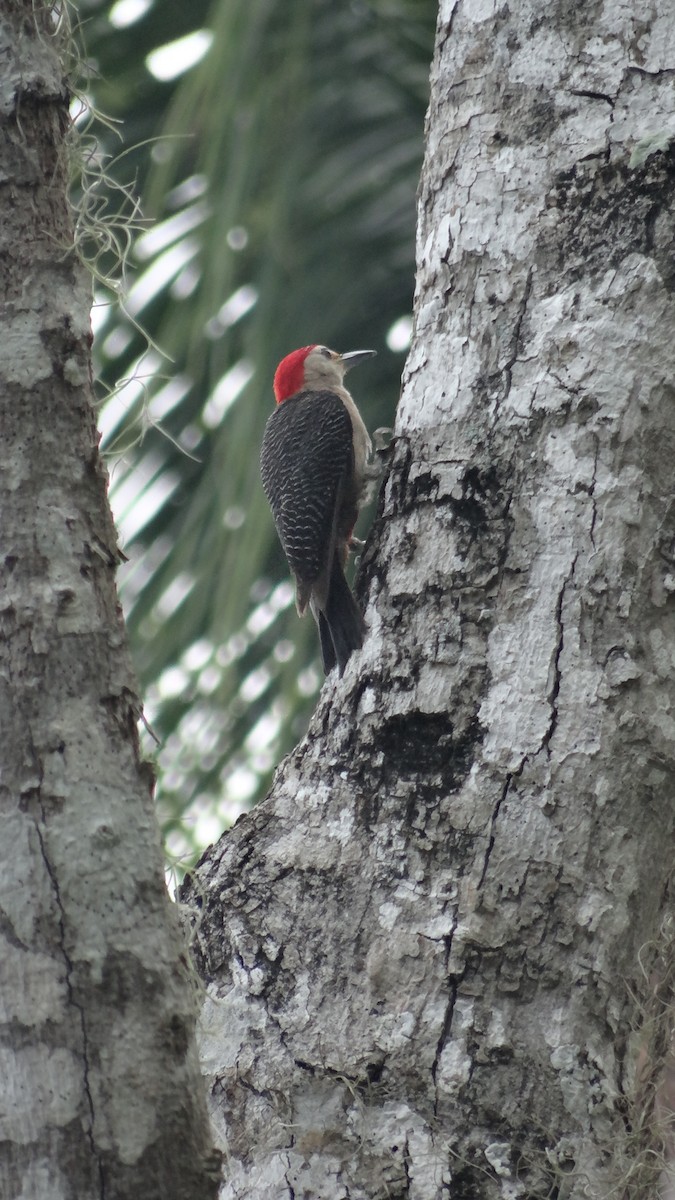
(101, 1094)
(428, 952)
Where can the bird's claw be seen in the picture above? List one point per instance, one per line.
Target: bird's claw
(382, 440)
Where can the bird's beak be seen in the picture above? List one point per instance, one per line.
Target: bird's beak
(353, 357)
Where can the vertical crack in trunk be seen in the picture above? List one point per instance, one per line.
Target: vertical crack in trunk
(454, 983)
(40, 824)
(556, 682)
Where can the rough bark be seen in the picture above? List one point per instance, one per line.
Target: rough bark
(99, 1082)
(427, 953)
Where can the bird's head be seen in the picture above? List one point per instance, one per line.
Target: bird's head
(315, 368)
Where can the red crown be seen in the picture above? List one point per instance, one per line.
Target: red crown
(290, 374)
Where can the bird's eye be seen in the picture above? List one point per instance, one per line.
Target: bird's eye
(326, 353)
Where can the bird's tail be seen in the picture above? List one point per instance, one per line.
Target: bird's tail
(341, 626)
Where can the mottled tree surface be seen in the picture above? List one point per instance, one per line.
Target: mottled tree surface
(428, 951)
(100, 1095)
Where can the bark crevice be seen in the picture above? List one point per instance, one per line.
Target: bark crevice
(40, 825)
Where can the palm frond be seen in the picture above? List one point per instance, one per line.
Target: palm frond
(281, 191)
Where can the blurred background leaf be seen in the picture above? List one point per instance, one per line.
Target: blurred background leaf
(276, 148)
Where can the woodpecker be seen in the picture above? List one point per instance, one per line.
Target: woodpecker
(314, 464)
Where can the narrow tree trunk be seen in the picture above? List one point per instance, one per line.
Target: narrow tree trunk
(100, 1092)
(429, 951)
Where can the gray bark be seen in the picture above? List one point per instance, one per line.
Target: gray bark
(430, 952)
(100, 1093)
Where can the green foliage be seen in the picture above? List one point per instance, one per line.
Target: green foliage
(278, 180)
